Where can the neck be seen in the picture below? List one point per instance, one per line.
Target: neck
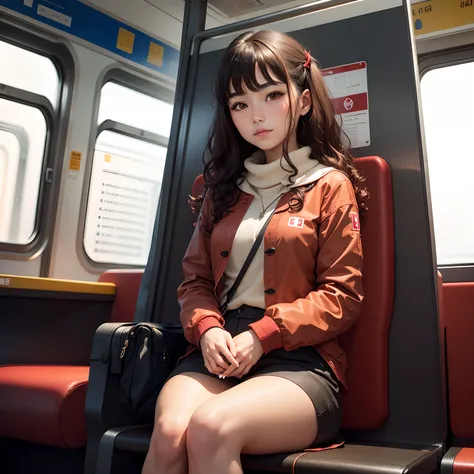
(264, 175)
(276, 153)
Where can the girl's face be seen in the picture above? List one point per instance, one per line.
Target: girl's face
(263, 117)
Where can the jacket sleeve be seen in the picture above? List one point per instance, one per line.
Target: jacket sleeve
(196, 296)
(335, 303)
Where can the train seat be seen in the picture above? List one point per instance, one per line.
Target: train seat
(45, 404)
(366, 404)
(459, 319)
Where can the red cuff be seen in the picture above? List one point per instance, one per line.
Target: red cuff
(203, 325)
(268, 332)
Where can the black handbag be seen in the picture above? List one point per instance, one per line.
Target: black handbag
(150, 351)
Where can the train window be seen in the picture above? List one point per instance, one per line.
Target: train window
(123, 198)
(127, 169)
(448, 116)
(130, 107)
(23, 133)
(29, 71)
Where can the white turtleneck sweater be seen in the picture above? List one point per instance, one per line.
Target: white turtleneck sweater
(267, 182)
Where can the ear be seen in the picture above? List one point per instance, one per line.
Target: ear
(305, 102)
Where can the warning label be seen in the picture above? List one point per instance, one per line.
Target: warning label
(348, 88)
(75, 160)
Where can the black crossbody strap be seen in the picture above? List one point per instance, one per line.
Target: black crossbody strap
(246, 265)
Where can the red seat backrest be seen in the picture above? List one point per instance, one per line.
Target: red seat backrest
(365, 405)
(458, 315)
(127, 284)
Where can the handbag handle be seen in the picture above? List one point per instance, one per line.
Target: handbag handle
(246, 265)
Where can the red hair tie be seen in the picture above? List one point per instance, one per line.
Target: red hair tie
(307, 55)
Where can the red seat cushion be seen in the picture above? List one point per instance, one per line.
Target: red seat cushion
(44, 404)
(126, 296)
(459, 319)
(464, 462)
(366, 344)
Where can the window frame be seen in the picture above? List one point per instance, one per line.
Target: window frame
(57, 121)
(44, 106)
(144, 86)
(428, 62)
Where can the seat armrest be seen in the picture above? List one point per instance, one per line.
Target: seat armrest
(458, 459)
(351, 459)
(447, 463)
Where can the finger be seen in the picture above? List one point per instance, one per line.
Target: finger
(211, 362)
(221, 362)
(231, 345)
(208, 366)
(238, 371)
(231, 370)
(228, 355)
(218, 362)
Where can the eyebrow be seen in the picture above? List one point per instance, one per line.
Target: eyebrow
(260, 87)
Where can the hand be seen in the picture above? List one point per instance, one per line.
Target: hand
(249, 350)
(215, 343)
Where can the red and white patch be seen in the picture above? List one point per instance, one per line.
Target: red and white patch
(297, 222)
(355, 222)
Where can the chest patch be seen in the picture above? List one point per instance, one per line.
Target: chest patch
(297, 222)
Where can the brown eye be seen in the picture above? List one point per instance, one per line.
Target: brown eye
(237, 106)
(274, 95)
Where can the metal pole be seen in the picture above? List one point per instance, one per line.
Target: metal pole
(269, 18)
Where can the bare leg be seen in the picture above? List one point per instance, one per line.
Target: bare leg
(263, 415)
(177, 401)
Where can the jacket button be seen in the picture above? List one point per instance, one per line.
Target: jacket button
(225, 253)
(270, 291)
(270, 251)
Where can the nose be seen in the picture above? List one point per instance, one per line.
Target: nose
(257, 111)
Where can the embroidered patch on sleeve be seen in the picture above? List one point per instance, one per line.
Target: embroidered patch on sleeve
(355, 222)
(297, 222)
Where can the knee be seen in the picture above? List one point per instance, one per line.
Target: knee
(209, 429)
(168, 441)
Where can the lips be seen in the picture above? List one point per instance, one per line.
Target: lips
(261, 132)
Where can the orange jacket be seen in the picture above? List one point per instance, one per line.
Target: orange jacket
(312, 271)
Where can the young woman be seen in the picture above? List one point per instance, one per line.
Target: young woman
(264, 375)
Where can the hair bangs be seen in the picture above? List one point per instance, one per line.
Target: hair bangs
(243, 70)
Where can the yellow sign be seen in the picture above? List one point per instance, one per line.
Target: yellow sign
(125, 40)
(75, 160)
(155, 54)
(108, 158)
(438, 15)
